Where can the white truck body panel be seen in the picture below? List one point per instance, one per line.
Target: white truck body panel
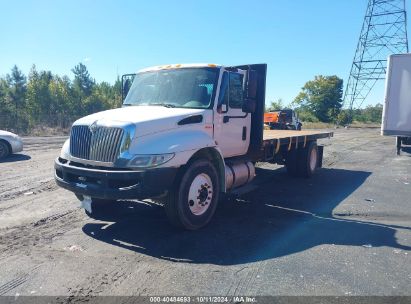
(396, 118)
(148, 119)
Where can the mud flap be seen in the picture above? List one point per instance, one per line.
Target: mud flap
(320, 153)
(86, 203)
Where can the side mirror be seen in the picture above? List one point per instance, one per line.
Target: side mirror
(126, 81)
(126, 88)
(249, 106)
(252, 84)
(222, 108)
(250, 101)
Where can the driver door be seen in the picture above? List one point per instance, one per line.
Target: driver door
(232, 125)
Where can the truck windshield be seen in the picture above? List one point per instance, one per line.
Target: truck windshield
(180, 88)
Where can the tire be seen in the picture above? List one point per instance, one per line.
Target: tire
(4, 149)
(307, 160)
(291, 163)
(193, 200)
(100, 207)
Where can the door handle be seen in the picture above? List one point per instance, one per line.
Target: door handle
(227, 118)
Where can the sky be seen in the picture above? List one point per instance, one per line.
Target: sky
(297, 39)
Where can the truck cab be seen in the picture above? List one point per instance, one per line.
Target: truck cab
(185, 135)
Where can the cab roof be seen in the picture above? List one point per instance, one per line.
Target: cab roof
(179, 66)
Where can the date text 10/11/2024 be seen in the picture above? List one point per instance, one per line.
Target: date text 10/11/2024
(202, 299)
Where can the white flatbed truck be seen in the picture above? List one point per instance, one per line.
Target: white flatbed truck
(186, 134)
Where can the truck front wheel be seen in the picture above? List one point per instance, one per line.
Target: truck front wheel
(193, 200)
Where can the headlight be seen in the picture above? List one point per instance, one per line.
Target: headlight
(65, 150)
(145, 161)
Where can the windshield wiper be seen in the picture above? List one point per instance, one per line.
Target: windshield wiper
(167, 105)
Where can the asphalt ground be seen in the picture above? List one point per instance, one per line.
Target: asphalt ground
(344, 232)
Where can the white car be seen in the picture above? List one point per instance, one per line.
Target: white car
(9, 143)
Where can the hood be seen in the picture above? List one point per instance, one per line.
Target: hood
(6, 133)
(147, 119)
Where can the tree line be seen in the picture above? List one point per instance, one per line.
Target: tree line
(46, 99)
(321, 100)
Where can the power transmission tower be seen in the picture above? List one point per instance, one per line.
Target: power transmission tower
(384, 32)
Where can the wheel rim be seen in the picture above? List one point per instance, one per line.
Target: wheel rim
(313, 159)
(200, 194)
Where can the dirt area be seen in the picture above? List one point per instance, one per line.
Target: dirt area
(346, 231)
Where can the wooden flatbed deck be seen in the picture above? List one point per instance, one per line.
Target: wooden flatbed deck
(286, 134)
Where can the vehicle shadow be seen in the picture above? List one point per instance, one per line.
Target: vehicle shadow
(283, 216)
(406, 150)
(15, 158)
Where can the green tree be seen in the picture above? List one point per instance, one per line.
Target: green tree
(373, 113)
(40, 103)
(306, 116)
(83, 84)
(116, 89)
(6, 108)
(344, 117)
(321, 97)
(17, 87)
(276, 105)
(16, 97)
(61, 108)
(46, 99)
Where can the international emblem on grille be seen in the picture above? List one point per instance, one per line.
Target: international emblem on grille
(93, 127)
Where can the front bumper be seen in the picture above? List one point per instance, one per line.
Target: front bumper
(113, 184)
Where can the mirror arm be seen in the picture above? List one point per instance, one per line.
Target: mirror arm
(220, 109)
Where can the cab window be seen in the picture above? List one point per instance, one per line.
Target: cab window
(236, 94)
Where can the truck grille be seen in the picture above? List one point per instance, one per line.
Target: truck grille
(103, 144)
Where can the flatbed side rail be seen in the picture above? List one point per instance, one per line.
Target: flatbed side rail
(273, 146)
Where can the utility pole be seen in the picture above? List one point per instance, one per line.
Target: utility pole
(384, 32)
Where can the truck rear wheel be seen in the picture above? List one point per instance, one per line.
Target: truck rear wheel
(307, 160)
(193, 200)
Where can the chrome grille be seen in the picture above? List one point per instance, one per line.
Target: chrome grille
(103, 144)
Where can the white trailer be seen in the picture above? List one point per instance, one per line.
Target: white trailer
(396, 117)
